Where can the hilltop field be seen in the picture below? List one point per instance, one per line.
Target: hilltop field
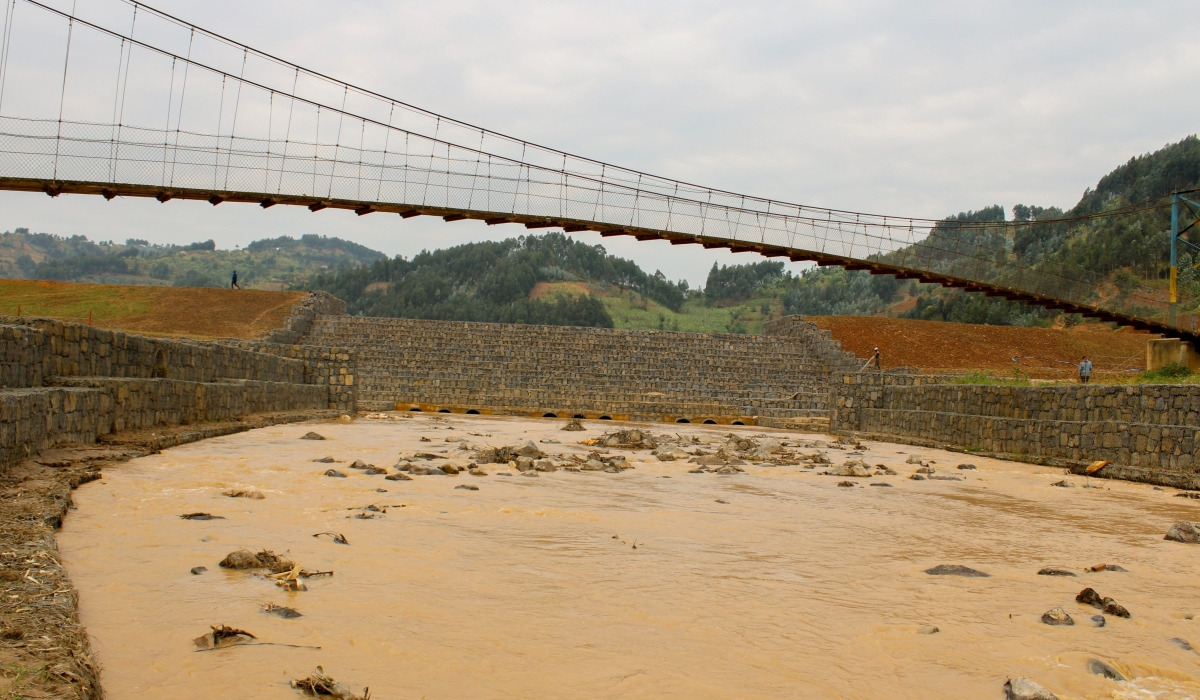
(194, 312)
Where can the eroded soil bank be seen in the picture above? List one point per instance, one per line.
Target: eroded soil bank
(650, 582)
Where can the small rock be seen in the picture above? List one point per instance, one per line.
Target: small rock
(241, 493)
(917, 477)
(544, 465)
(887, 485)
(503, 474)
(359, 464)
(467, 487)
(286, 613)
(371, 471)
(335, 474)
(1183, 531)
(1186, 494)
(927, 629)
(1089, 596)
(913, 459)
(477, 472)
(846, 484)
(1098, 620)
(530, 473)
(1100, 668)
(380, 490)
(1025, 689)
(201, 516)
(698, 470)
(966, 466)
(524, 464)
(1181, 643)
(197, 570)
(924, 470)
(312, 436)
(1057, 616)
(325, 460)
(450, 469)
(955, 570)
(1111, 607)
(1063, 484)
(400, 476)
(1055, 571)
(422, 470)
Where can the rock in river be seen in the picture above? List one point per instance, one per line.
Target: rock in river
(1025, 689)
(1183, 531)
(312, 436)
(400, 476)
(1057, 616)
(955, 570)
(1100, 668)
(1055, 571)
(335, 474)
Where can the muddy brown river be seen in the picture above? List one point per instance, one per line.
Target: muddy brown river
(772, 583)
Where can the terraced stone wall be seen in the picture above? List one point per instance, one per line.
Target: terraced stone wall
(782, 377)
(70, 383)
(1148, 432)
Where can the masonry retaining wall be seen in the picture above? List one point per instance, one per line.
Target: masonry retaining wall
(70, 383)
(1148, 432)
(645, 375)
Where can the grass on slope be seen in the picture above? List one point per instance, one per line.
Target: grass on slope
(173, 311)
(630, 310)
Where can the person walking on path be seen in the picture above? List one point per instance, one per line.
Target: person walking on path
(233, 283)
(1085, 370)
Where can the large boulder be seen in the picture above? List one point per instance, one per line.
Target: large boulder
(1025, 689)
(1057, 616)
(851, 467)
(530, 450)
(1183, 531)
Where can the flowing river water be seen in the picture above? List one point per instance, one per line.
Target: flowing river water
(775, 583)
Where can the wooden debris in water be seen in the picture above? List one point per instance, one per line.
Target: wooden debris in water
(222, 636)
(337, 537)
(319, 684)
(242, 493)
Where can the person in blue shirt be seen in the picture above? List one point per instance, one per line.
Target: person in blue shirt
(233, 283)
(1085, 370)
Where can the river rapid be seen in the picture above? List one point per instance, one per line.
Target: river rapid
(773, 583)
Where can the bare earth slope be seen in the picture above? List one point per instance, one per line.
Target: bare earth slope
(176, 311)
(932, 345)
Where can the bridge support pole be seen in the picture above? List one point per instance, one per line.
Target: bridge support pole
(1174, 260)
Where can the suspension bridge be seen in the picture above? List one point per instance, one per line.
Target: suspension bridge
(117, 99)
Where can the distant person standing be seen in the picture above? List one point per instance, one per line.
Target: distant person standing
(233, 283)
(1085, 370)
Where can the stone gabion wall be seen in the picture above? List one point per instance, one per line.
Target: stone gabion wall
(67, 382)
(336, 369)
(33, 349)
(639, 374)
(302, 316)
(1148, 432)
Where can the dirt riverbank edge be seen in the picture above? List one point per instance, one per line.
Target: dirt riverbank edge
(44, 650)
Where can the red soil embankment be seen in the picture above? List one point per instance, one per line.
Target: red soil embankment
(934, 346)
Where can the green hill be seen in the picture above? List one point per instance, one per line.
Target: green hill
(278, 263)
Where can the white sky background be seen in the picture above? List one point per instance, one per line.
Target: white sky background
(918, 109)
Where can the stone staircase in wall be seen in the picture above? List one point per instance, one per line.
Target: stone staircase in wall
(780, 379)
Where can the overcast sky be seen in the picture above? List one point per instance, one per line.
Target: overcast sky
(918, 109)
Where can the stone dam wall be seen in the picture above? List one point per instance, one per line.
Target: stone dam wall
(1148, 432)
(63, 383)
(780, 378)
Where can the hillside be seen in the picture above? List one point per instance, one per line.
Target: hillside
(935, 347)
(172, 311)
(278, 263)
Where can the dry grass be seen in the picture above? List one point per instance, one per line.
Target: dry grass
(172, 311)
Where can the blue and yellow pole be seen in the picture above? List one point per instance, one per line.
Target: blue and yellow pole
(1174, 268)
